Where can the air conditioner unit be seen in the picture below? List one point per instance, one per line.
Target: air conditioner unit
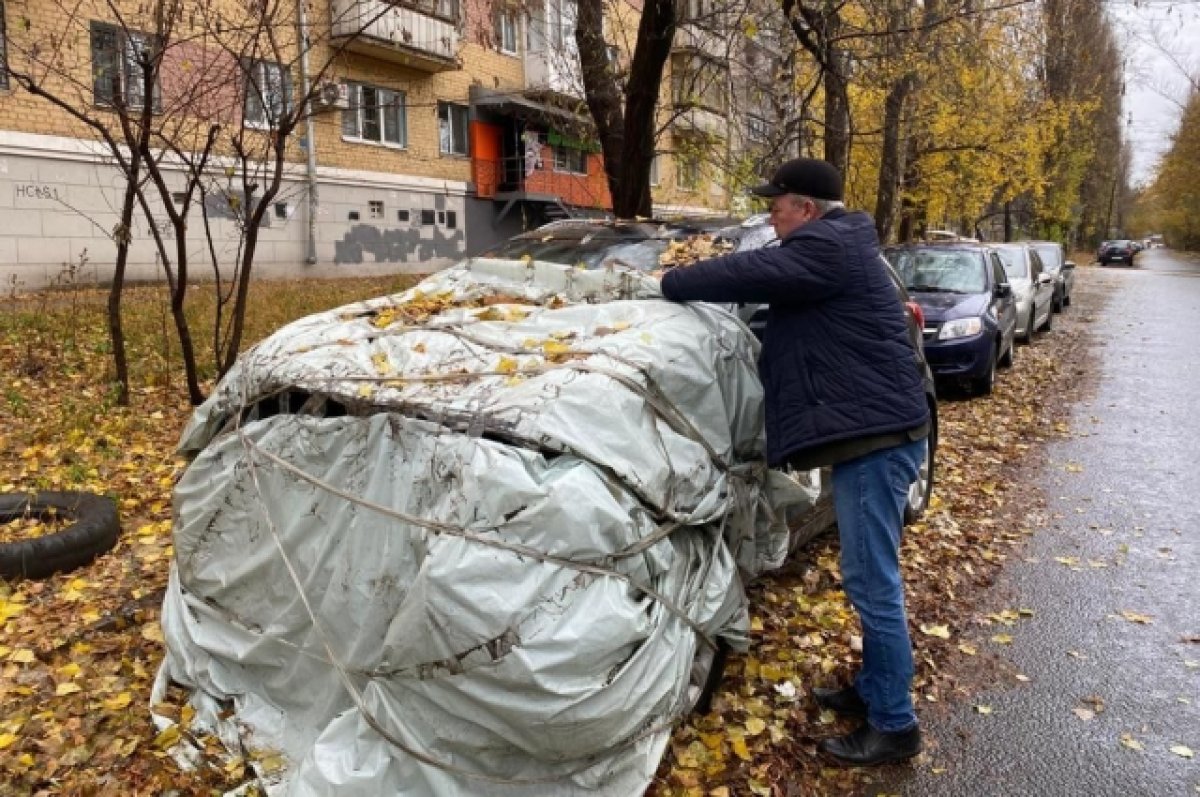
(331, 96)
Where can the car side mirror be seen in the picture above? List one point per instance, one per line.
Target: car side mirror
(1045, 279)
(1003, 290)
(1069, 265)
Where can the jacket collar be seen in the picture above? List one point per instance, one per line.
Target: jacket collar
(832, 215)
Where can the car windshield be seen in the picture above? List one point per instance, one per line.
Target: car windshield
(1051, 257)
(1016, 264)
(940, 271)
(589, 251)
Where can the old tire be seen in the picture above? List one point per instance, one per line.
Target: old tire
(93, 532)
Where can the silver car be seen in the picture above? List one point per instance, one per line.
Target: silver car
(1056, 263)
(1032, 286)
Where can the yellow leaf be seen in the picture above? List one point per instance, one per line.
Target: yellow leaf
(169, 737)
(507, 365)
(6, 740)
(1140, 619)
(967, 649)
(383, 366)
(755, 726)
(1183, 751)
(738, 745)
(22, 656)
(118, 702)
(983, 709)
(1003, 639)
(69, 670)
(366, 391)
(553, 347)
(939, 631)
(152, 632)
(67, 688)
(620, 325)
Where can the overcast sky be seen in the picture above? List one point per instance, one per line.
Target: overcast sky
(1164, 44)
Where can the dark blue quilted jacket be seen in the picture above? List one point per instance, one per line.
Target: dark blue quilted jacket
(836, 363)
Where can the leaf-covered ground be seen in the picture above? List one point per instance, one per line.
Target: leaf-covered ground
(78, 651)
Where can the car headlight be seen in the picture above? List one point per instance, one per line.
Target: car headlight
(960, 328)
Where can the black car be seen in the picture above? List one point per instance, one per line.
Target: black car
(1119, 251)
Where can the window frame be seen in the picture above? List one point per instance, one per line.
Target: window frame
(122, 55)
(507, 22)
(688, 176)
(263, 78)
(564, 165)
(359, 109)
(447, 111)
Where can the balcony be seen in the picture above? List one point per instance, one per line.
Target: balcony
(421, 35)
(551, 57)
(691, 37)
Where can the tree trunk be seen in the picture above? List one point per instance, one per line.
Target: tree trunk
(116, 332)
(891, 165)
(837, 112)
(626, 135)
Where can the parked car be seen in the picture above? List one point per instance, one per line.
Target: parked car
(597, 244)
(1118, 251)
(1032, 286)
(967, 303)
(1054, 259)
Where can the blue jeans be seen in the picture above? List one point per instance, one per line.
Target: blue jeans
(869, 495)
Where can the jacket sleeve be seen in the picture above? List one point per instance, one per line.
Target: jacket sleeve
(808, 267)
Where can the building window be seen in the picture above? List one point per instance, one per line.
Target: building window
(654, 178)
(506, 31)
(268, 93)
(117, 72)
(402, 215)
(282, 211)
(427, 217)
(697, 81)
(757, 129)
(696, 10)
(374, 209)
(443, 9)
(569, 159)
(451, 219)
(452, 129)
(689, 172)
(376, 114)
(3, 52)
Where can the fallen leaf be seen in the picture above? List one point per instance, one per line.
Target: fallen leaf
(1183, 751)
(755, 726)
(1127, 740)
(117, 702)
(1140, 619)
(6, 740)
(939, 631)
(969, 650)
(67, 688)
(983, 709)
(1084, 714)
(1002, 639)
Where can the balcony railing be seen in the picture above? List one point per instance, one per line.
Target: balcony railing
(422, 35)
(510, 178)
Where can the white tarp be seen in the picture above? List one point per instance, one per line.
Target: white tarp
(473, 538)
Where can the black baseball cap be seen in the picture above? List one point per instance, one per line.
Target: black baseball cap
(808, 176)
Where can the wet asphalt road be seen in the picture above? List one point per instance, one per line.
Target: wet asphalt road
(1123, 492)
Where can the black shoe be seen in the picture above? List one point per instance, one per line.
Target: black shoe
(841, 701)
(867, 747)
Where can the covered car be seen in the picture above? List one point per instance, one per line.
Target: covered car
(485, 536)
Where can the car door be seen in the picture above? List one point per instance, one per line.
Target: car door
(1043, 286)
(1003, 304)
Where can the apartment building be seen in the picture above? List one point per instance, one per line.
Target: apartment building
(438, 128)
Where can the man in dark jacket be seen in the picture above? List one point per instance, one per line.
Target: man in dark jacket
(843, 388)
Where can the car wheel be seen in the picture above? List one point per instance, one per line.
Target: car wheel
(1056, 304)
(1067, 300)
(921, 490)
(1010, 354)
(983, 386)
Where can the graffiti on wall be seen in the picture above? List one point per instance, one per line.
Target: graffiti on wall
(428, 233)
(396, 245)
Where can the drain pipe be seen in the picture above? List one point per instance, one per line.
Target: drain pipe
(310, 135)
